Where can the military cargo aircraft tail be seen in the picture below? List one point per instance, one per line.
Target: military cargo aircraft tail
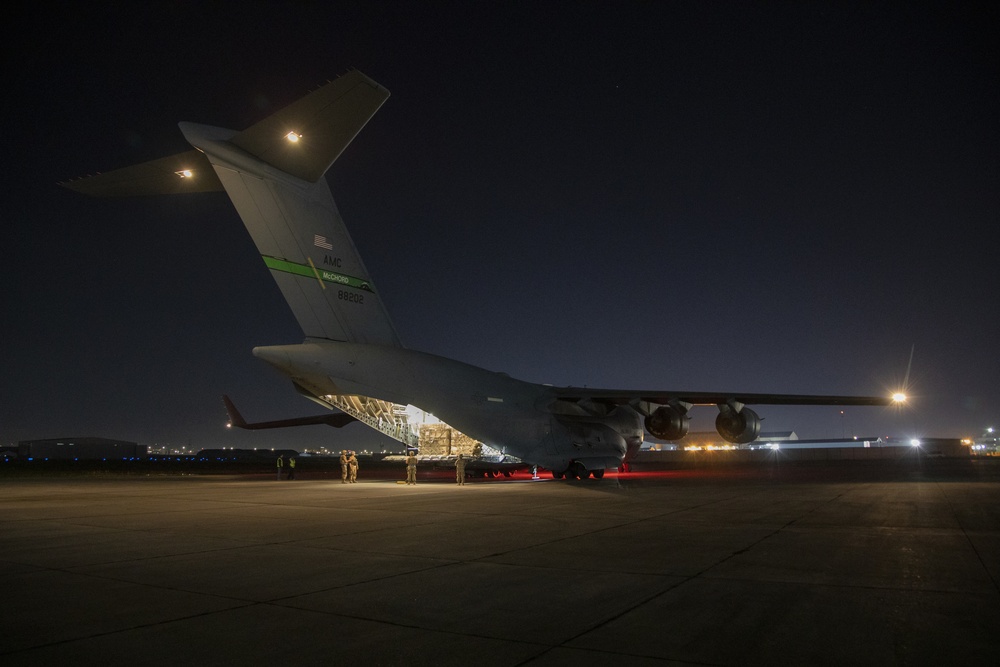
(274, 174)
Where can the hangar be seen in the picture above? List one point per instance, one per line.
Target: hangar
(79, 449)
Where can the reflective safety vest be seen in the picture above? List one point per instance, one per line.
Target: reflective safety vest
(279, 462)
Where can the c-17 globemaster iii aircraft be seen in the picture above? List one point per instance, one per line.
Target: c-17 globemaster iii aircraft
(351, 358)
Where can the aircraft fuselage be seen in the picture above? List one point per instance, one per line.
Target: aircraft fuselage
(511, 415)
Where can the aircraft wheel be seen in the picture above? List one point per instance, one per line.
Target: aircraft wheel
(506, 473)
(557, 475)
(493, 473)
(598, 474)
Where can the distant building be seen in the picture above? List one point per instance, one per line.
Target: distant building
(828, 443)
(767, 440)
(235, 454)
(80, 449)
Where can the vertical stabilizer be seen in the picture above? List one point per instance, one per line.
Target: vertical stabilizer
(304, 242)
(273, 172)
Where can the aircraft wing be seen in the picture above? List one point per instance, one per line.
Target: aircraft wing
(620, 397)
(337, 420)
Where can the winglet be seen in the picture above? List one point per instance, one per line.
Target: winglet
(235, 418)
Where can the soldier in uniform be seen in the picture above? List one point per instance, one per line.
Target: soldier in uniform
(460, 470)
(279, 464)
(343, 466)
(352, 467)
(411, 468)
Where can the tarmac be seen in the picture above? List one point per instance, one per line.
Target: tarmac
(818, 563)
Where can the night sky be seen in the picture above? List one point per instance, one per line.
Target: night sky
(758, 197)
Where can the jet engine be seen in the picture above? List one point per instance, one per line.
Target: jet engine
(737, 426)
(668, 422)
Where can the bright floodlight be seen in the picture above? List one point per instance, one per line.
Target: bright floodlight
(915, 442)
(184, 173)
(899, 397)
(293, 137)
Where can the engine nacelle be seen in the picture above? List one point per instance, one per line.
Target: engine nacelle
(668, 422)
(737, 427)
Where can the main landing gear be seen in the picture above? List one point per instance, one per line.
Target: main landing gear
(577, 471)
(493, 474)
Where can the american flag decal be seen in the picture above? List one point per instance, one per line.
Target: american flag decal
(321, 242)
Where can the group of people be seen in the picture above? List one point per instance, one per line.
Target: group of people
(280, 465)
(348, 467)
(411, 469)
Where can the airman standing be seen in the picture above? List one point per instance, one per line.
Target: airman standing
(279, 464)
(343, 466)
(411, 468)
(291, 467)
(352, 466)
(460, 470)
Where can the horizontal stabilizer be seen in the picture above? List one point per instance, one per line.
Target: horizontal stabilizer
(170, 175)
(322, 123)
